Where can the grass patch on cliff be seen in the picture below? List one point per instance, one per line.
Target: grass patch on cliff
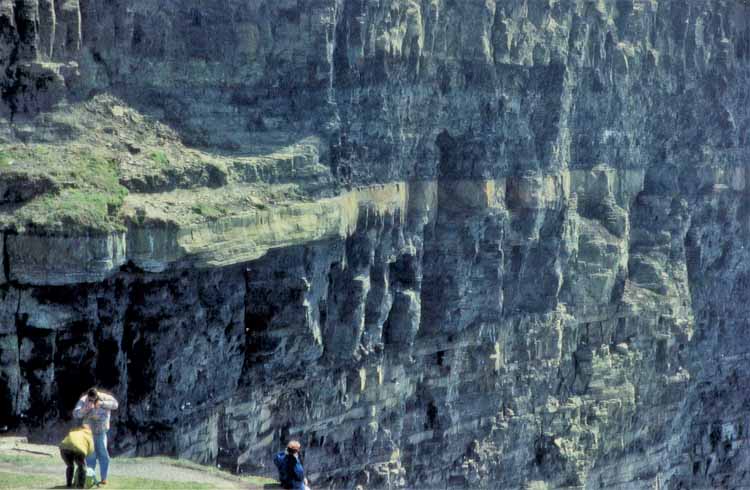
(209, 211)
(90, 195)
(159, 157)
(28, 156)
(90, 210)
(5, 160)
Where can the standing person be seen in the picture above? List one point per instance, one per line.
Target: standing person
(94, 408)
(77, 445)
(291, 472)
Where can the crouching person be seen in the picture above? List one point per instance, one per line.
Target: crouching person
(291, 472)
(77, 445)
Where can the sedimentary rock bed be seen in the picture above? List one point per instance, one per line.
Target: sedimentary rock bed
(464, 244)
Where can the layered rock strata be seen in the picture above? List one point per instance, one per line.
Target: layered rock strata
(514, 258)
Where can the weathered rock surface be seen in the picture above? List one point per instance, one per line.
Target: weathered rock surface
(469, 244)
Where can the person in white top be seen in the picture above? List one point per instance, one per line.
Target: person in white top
(94, 407)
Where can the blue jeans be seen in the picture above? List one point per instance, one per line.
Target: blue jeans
(100, 453)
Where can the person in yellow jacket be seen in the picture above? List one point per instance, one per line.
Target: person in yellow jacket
(78, 444)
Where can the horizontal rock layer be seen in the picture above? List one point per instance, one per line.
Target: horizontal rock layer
(245, 236)
(54, 260)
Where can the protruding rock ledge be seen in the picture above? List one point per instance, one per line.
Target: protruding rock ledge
(246, 236)
(239, 237)
(54, 260)
(162, 235)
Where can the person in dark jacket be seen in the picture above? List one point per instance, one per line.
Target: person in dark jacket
(291, 472)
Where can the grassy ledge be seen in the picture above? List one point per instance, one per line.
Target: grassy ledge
(90, 195)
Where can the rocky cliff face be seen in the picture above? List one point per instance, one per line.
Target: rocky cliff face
(467, 244)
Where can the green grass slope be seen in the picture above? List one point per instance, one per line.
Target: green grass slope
(44, 470)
